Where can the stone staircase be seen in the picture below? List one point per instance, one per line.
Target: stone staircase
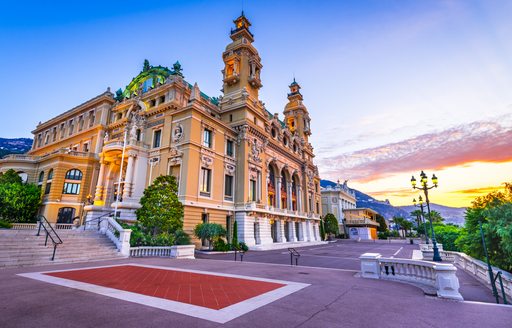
(20, 248)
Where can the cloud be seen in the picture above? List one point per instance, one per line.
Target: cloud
(481, 141)
(477, 191)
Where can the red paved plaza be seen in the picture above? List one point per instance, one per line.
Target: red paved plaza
(211, 291)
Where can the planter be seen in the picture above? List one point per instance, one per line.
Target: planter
(183, 251)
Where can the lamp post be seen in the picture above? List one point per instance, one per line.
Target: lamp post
(425, 187)
(420, 205)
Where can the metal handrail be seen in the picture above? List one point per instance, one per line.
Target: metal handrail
(504, 296)
(43, 222)
(294, 253)
(99, 219)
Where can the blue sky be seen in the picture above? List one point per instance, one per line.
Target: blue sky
(374, 74)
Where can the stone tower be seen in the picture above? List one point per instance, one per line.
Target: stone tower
(296, 114)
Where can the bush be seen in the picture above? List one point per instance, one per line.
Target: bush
(221, 246)
(210, 232)
(383, 234)
(5, 225)
(181, 238)
(242, 246)
(142, 237)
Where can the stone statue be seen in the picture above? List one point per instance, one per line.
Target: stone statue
(105, 138)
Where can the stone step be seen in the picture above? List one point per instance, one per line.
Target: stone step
(60, 261)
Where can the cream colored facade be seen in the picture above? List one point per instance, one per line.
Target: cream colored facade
(337, 199)
(233, 159)
(361, 223)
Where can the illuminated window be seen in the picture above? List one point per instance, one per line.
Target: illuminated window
(74, 174)
(205, 183)
(252, 190)
(207, 138)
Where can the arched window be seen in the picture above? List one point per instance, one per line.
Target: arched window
(74, 174)
(41, 177)
(48, 186)
(72, 187)
(66, 215)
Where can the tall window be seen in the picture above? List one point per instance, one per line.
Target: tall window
(156, 138)
(54, 134)
(230, 151)
(80, 123)
(71, 126)
(207, 138)
(85, 147)
(252, 190)
(205, 185)
(228, 187)
(62, 130)
(40, 179)
(48, 186)
(92, 118)
(71, 184)
(205, 218)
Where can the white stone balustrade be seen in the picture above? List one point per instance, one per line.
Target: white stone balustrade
(176, 251)
(440, 276)
(430, 247)
(119, 236)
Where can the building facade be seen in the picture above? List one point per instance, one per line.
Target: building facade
(361, 223)
(233, 159)
(335, 200)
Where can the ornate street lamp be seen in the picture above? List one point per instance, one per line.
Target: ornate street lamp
(420, 205)
(425, 187)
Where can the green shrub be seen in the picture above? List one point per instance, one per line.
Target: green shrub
(210, 232)
(220, 246)
(242, 246)
(181, 238)
(5, 225)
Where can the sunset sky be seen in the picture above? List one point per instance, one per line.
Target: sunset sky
(393, 87)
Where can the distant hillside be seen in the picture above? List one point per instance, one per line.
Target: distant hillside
(14, 146)
(451, 214)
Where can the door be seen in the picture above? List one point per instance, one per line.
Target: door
(66, 215)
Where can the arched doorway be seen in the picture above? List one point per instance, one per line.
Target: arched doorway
(66, 215)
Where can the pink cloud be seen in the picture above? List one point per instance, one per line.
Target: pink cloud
(482, 141)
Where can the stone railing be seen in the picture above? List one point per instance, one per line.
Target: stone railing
(33, 226)
(480, 271)
(176, 251)
(24, 226)
(119, 236)
(150, 251)
(430, 247)
(439, 277)
(445, 256)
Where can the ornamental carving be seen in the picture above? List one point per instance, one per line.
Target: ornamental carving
(242, 133)
(177, 133)
(206, 161)
(230, 169)
(310, 175)
(256, 150)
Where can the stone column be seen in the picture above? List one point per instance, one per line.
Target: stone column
(309, 235)
(299, 199)
(129, 174)
(98, 195)
(282, 231)
(289, 199)
(278, 192)
(292, 231)
(301, 231)
(279, 231)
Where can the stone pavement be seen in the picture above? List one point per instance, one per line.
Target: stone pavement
(335, 298)
(344, 254)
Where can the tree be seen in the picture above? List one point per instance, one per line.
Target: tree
(446, 234)
(161, 211)
(322, 230)
(436, 217)
(235, 234)
(10, 176)
(331, 225)
(209, 232)
(495, 212)
(19, 202)
(383, 226)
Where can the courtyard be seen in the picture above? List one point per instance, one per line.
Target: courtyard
(325, 291)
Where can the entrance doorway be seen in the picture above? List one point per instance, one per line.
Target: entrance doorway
(66, 215)
(273, 231)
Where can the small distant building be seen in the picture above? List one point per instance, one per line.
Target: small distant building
(337, 199)
(361, 223)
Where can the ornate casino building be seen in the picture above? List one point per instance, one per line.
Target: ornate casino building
(233, 159)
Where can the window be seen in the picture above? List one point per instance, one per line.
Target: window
(80, 123)
(205, 217)
(317, 207)
(92, 118)
(156, 138)
(252, 190)
(119, 116)
(161, 100)
(207, 138)
(274, 133)
(138, 134)
(71, 126)
(204, 188)
(230, 151)
(46, 137)
(62, 130)
(294, 147)
(73, 174)
(256, 121)
(228, 187)
(41, 177)
(152, 103)
(285, 141)
(85, 147)
(316, 187)
(71, 188)
(231, 117)
(39, 140)
(48, 186)
(54, 134)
